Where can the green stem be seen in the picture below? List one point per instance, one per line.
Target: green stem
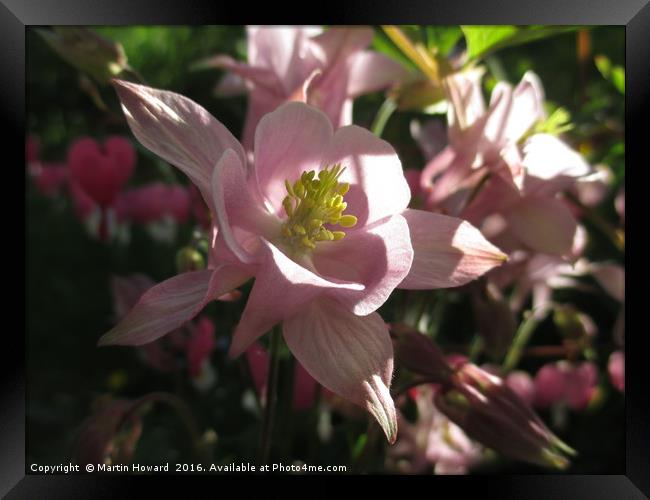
(385, 112)
(522, 337)
(271, 396)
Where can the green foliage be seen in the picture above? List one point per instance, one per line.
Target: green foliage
(484, 40)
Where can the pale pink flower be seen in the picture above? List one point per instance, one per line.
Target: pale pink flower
(521, 181)
(327, 69)
(322, 266)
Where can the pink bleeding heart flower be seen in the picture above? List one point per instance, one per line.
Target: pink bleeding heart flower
(325, 69)
(566, 383)
(200, 345)
(616, 370)
(320, 220)
(49, 179)
(153, 202)
(101, 171)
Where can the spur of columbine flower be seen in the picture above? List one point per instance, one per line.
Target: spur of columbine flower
(320, 220)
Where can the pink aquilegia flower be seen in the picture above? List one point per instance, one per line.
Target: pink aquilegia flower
(327, 69)
(490, 166)
(319, 219)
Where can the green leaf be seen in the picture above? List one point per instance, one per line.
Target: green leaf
(613, 74)
(382, 43)
(484, 40)
(442, 38)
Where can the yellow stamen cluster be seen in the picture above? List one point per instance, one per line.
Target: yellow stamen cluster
(313, 201)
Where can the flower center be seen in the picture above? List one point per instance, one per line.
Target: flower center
(313, 201)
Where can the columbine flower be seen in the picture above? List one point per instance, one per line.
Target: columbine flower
(327, 69)
(491, 167)
(319, 220)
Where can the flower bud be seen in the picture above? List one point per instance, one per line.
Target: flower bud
(189, 259)
(419, 354)
(84, 49)
(493, 414)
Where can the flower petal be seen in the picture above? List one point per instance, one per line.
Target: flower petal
(543, 224)
(236, 206)
(379, 258)
(378, 187)
(170, 304)
(178, 130)
(448, 252)
(282, 287)
(288, 141)
(371, 71)
(350, 355)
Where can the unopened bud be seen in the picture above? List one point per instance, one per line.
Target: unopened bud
(189, 259)
(419, 354)
(493, 414)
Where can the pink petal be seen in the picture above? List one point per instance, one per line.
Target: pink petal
(371, 71)
(448, 252)
(431, 137)
(378, 187)
(581, 381)
(258, 363)
(616, 370)
(287, 51)
(282, 287)
(288, 141)
(543, 224)
(379, 258)
(178, 130)
(549, 385)
(127, 290)
(350, 355)
(527, 107)
(612, 278)
(467, 103)
(236, 206)
(170, 304)
(260, 77)
(547, 157)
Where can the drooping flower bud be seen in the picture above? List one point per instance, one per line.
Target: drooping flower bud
(493, 414)
(419, 354)
(84, 49)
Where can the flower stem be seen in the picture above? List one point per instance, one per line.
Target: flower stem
(271, 396)
(385, 111)
(522, 337)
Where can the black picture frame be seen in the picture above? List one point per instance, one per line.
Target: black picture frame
(16, 15)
